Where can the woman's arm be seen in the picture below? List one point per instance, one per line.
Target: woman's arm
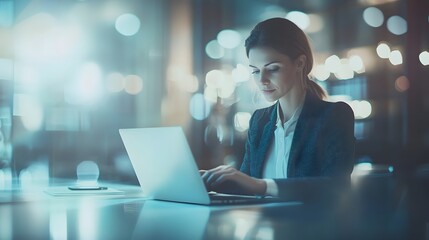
(227, 179)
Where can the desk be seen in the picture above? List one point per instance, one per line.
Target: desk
(370, 214)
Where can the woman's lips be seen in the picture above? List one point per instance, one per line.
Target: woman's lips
(268, 90)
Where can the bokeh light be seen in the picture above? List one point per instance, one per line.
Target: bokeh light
(229, 38)
(383, 50)
(214, 50)
(210, 94)
(424, 58)
(402, 84)
(316, 23)
(199, 107)
(302, 20)
(356, 64)
(115, 82)
(241, 121)
(30, 109)
(395, 57)
(37, 174)
(344, 70)
(362, 109)
(332, 63)
(6, 69)
(190, 83)
(397, 25)
(373, 17)
(127, 24)
(214, 78)
(133, 84)
(222, 82)
(320, 72)
(241, 73)
(86, 88)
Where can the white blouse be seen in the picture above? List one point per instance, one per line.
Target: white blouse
(278, 155)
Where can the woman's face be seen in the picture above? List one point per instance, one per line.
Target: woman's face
(276, 74)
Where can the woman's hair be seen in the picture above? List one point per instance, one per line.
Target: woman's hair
(287, 38)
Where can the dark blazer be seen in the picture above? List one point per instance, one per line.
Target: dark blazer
(322, 145)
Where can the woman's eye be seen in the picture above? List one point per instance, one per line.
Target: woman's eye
(273, 69)
(255, 71)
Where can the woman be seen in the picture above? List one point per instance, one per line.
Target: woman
(300, 136)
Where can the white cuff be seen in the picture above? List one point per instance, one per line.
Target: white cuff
(272, 188)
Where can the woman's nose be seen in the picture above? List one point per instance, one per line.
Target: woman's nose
(262, 79)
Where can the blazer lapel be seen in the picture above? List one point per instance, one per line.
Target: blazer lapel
(299, 134)
(257, 165)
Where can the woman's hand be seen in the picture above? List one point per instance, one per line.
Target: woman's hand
(221, 179)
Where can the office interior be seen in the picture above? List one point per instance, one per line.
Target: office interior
(74, 72)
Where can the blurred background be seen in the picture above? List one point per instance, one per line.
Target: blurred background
(72, 72)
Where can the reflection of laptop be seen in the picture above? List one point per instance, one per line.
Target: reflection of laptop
(168, 220)
(166, 169)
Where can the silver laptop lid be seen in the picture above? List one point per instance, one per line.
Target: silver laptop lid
(164, 164)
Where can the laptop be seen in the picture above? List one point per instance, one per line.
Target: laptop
(166, 169)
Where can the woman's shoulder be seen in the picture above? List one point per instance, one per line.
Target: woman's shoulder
(323, 108)
(339, 110)
(340, 107)
(266, 111)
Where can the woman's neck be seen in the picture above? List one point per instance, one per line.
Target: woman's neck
(290, 102)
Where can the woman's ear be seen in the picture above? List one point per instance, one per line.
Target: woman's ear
(300, 62)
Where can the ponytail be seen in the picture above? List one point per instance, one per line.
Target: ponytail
(315, 89)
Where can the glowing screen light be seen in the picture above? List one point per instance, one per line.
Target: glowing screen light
(199, 107)
(302, 20)
(373, 17)
(229, 38)
(397, 25)
(127, 24)
(214, 50)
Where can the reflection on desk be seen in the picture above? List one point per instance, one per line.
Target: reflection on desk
(373, 209)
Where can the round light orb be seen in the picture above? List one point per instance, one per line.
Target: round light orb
(127, 24)
(402, 84)
(383, 50)
(199, 107)
(395, 57)
(302, 20)
(397, 25)
(214, 50)
(373, 17)
(424, 58)
(229, 38)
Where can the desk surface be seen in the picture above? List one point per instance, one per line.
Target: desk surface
(376, 213)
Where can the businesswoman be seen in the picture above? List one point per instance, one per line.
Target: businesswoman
(300, 137)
